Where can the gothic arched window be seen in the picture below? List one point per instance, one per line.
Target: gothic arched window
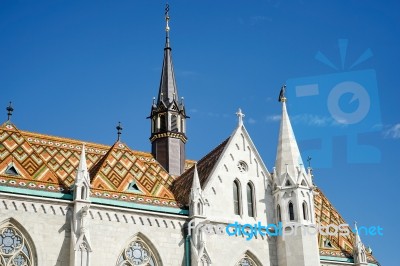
(15, 247)
(236, 197)
(291, 211)
(247, 261)
(138, 253)
(305, 210)
(250, 199)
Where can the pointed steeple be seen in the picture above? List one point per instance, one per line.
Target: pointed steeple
(82, 168)
(196, 205)
(359, 252)
(82, 181)
(288, 157)
(168, 91)
(196, 191)
(168, 116)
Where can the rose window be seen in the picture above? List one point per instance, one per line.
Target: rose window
(242, 166)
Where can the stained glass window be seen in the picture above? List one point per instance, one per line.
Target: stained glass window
(14, 247)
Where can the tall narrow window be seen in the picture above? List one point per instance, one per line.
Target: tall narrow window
(278, 212)
(250, 199)
(305, 211)
(291, 211)
(236, 197)
(174, 123)
(163, 123)
(83, 193)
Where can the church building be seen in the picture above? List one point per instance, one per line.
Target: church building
(64, 202)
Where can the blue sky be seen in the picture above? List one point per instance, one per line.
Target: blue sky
(76, 68)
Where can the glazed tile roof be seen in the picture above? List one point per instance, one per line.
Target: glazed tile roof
(181, 186)
(49, 163)
(326, 214)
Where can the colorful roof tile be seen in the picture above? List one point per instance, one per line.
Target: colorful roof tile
(339, 245)
(49, 163)
(182, 185)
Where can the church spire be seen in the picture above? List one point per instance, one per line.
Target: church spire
(168, 116)
(288, 157)
(168, 91)
(293, 197)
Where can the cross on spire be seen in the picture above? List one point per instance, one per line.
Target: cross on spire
(240, 116)
(119, 129)
(167, 25)
(309, 161)
(10, 110)
(166, 17)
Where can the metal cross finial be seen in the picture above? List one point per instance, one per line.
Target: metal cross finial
(240, 116)
(167, 17)
(9, 109)
(309, 161)
(119, 129)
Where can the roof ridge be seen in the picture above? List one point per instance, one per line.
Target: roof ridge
(93, 171)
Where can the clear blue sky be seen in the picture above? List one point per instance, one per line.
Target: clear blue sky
(76, 68)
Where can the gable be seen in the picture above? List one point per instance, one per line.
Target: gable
(240, 155)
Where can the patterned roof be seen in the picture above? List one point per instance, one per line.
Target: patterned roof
(49, 163)
(181, 186)
(326, 214)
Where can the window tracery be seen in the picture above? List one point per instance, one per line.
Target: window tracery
(137, 253)
(15, 249)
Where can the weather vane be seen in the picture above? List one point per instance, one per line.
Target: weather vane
(10, 110)
(119, 129)
(282, 97)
